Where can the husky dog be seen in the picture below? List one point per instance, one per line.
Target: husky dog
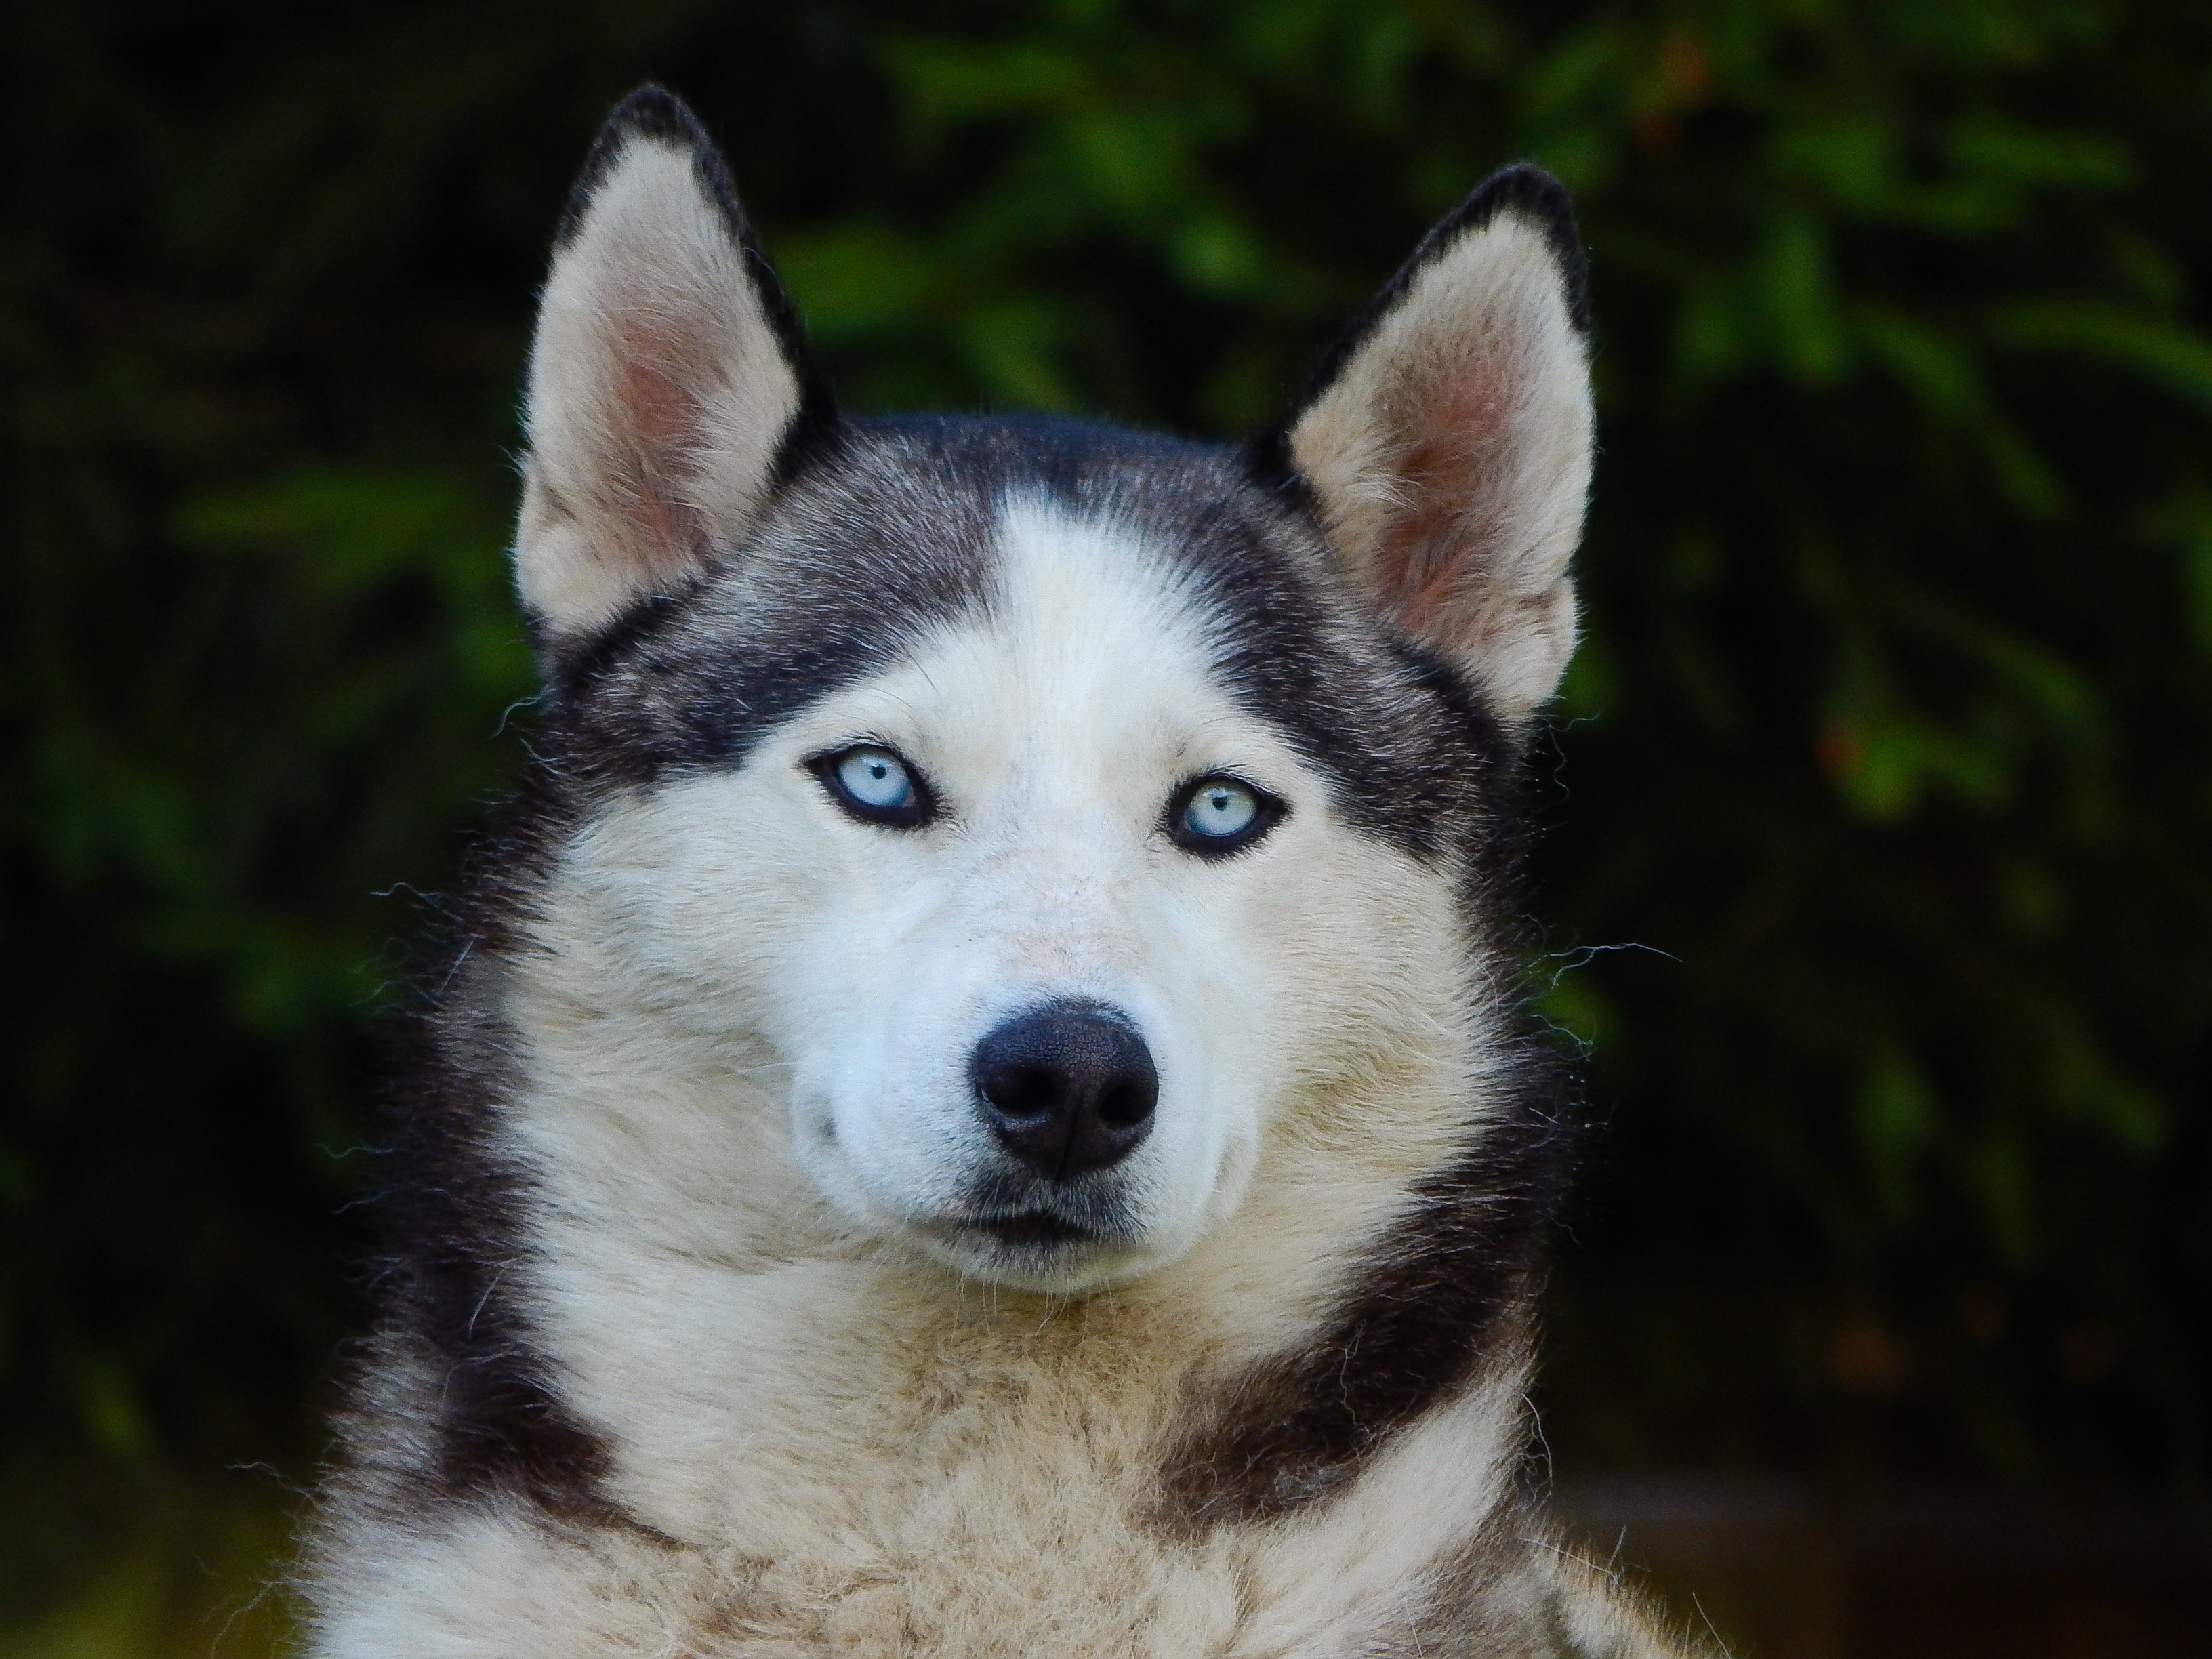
(983, 1106)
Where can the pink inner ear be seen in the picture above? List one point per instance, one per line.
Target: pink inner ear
(661, 420)
(1452, 431)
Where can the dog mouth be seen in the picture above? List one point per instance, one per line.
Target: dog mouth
(1022, 1221)
(1055, 1240)
(1036, 1229)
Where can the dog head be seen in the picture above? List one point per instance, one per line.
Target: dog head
(1047, 819)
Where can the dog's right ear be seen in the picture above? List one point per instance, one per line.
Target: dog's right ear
(669, 382)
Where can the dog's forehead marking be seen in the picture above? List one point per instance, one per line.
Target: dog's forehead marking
(1100, 627)
(1062, 564)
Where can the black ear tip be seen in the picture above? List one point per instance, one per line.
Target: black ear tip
(1521, 189)
(658, 115)
(1525, 176)
(653, 112)
(1529, 193)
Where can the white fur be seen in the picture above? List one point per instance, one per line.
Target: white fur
(1451, 458)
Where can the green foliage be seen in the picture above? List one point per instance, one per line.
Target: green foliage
(1888, 743)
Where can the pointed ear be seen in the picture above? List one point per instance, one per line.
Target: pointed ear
(1446, 442)
(669, 383)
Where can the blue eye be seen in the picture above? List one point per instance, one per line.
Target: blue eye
(1222, 814)
(1220, 809)
(875, 778)
(872, 784)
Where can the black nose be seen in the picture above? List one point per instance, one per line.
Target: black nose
(1067, 1087)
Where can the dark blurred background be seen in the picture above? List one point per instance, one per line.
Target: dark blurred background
(1878, 874)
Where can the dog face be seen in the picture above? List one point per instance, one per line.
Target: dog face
(1044, 917)
(1051, 817)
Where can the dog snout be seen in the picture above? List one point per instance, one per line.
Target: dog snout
(1067, 1088)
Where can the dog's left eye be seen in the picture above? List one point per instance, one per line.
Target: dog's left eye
(873, 784)
(1221, 814)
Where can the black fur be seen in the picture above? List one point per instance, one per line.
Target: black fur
(500, 1427)
(854, 560)
(451, 1214)
(1450, 1288)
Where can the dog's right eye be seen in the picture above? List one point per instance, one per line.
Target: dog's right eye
(873, 784)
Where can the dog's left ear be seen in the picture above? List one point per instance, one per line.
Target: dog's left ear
(1447, 441)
